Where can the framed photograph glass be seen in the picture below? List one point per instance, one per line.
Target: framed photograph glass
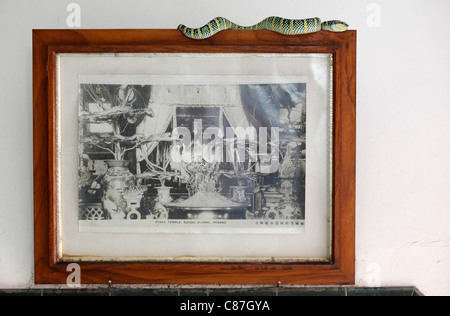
(173, 161)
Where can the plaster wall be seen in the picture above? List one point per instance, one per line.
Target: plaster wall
(403, 122)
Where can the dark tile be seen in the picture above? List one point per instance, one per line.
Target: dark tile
(20, 292)
(193, 292)
(303, 291)
(312, 291)
(242, 292)
(381, 291)
(417, 292)
(145, 292)
(76, 292)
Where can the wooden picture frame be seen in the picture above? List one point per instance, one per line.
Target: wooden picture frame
(47, 44)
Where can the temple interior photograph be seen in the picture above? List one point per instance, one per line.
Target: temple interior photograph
(145, 151)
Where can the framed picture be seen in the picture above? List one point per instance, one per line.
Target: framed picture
(165, 160)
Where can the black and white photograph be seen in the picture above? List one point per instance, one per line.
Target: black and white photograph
(206, 154)
(175, 156)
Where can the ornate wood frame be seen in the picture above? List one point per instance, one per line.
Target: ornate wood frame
(48, 43)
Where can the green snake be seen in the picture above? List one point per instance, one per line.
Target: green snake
(273, 23)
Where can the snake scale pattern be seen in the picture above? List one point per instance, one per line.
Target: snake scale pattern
(273, 23)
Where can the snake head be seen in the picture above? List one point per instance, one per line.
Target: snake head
(335, 26)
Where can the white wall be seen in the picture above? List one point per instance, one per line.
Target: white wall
(403, 152)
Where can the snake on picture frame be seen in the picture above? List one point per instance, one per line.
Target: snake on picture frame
(273, 23)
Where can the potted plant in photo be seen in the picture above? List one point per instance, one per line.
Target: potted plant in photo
(159, 170)
(109, 114)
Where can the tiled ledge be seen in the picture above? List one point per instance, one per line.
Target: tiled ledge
(216, 291)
